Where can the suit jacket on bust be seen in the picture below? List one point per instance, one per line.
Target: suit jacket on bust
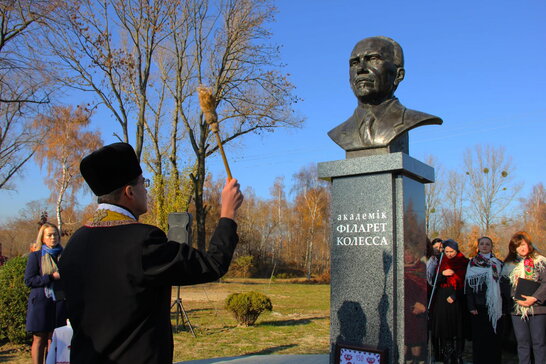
(377, 126)
(118, 280)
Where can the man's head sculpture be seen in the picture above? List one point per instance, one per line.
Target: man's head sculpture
(376, 67)
(379, 123)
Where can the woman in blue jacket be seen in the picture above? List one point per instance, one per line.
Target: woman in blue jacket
(44, 311)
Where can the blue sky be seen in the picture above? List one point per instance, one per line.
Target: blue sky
(479, 65)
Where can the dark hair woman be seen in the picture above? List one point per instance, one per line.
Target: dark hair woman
(448, 306)
(44, 313)
(528, 314)
(484, 302)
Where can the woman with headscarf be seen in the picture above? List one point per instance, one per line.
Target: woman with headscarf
(448, 307)
(484, 302)
(529, 312)
(45, 310)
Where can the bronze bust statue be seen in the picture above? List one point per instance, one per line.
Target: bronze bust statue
(380, 123)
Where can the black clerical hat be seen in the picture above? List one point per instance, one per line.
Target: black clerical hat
(109, 168)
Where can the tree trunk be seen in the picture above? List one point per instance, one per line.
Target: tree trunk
(200, 209)
(310, 261)
(62, 188)
(58, 211)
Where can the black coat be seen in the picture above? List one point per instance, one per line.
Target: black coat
(43, 314)
(118, 280)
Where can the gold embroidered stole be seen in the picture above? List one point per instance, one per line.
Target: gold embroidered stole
(107, 218)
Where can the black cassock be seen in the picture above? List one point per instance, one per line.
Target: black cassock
(118, 276)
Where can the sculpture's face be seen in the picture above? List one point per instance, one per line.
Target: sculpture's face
(372, 73)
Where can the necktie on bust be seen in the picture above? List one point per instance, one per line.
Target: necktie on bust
(366, 131)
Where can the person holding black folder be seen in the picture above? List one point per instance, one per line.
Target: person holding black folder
(526, 269)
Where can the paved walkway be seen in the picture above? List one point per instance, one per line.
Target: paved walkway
(265, 359)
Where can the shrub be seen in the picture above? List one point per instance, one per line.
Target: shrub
(13, 301)
(247, 306)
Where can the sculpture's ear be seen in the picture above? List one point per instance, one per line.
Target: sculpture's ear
(400, 73)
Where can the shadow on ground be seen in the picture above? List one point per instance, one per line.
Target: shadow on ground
(271, 350)
(294, 322)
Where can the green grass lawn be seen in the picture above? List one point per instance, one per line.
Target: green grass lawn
(298, 324)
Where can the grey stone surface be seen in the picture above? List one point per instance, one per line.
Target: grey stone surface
(264, 359)
(377, 221)
(397, 163)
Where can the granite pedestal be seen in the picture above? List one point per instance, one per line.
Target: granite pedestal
(378, 285)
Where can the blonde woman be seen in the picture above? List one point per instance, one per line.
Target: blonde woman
(44, 312)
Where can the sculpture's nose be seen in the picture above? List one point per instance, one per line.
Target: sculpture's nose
(362, 67)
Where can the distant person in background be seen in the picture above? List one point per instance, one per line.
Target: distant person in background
(415, 300)
(3, 259)
(528, 315)
(434, 251)
(448, 304)
(432, 262)
(44, 312)
(484, 302)
(59, 350)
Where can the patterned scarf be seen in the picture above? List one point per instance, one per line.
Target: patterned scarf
(49, 265)
(480, 261)
(528, 268)
(487, 270)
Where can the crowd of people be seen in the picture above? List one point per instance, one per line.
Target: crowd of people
(469, 298)
(481, 298)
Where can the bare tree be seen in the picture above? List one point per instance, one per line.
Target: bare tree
(107, 47)
(433, 193)
(452, 210)
(18, 142)
(25, 84)
(311, 205)
(229, 51)
(144, 61)
(491, 186)
(280, 209)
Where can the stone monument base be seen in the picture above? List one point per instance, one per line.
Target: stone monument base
(378, 287)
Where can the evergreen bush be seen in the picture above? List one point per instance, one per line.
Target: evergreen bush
(13, 301)
(247, 306)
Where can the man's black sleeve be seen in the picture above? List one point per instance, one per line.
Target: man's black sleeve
(169, 262)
